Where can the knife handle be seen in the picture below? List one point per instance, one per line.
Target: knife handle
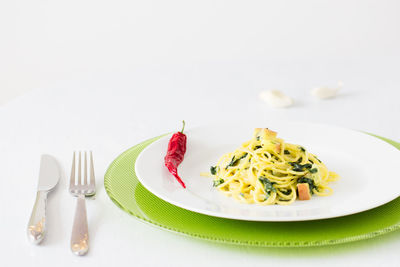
(37, 222)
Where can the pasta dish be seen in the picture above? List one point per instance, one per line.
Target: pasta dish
(265, 170)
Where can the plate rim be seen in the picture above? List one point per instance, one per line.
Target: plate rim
(274, 219)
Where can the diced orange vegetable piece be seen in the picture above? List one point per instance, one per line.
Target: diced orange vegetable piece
(304, 191)
(269, 133)
(265, 132)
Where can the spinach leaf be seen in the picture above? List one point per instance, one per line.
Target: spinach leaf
(302, 149)
(297, 167)
(314, 170)
(257, 147)
(268, 185)
(287, 152)
(309, 181)
(218, 182)
(235, 161)
(287, 192)
(213, 170)
(244, 155)
(307, 166)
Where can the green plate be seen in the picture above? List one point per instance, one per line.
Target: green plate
(124, 189)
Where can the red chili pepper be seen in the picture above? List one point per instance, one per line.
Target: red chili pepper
(175, 153)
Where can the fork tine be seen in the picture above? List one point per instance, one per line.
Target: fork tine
(85, 170)
(92, 178)
(79, 170)
(72, 180)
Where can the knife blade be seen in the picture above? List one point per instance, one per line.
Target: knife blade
(49, 176)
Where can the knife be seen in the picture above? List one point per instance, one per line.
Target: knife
(49, 175)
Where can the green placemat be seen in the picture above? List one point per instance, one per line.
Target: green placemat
(125, 190)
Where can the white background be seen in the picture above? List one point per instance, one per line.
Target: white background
(105, 75)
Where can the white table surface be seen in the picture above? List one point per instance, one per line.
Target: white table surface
(105, 75)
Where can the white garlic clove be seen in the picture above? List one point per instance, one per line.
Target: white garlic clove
(276, 99)
(326, 92)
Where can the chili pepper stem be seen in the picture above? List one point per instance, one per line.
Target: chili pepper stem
(183, 127)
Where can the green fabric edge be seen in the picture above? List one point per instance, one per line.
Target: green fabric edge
(145, 143)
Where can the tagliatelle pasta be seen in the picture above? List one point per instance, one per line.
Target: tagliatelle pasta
(266, 170)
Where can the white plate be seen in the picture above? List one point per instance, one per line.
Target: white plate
(367, 167)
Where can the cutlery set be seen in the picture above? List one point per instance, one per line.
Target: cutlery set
(81, 188)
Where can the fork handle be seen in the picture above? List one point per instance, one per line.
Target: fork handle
(80, 232)
(37, 222)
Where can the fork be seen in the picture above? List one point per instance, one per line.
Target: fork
(81, 189)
